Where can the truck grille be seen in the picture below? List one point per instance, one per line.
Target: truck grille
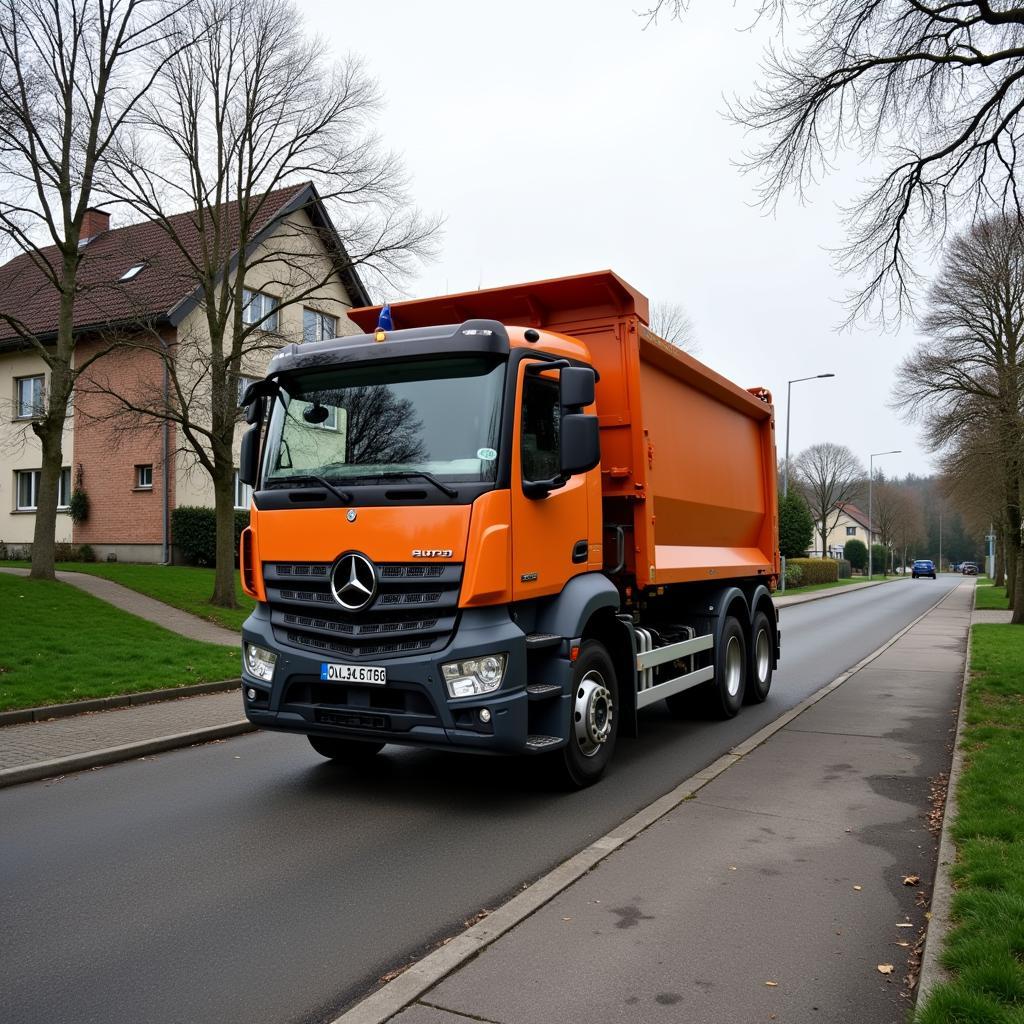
(414, 610)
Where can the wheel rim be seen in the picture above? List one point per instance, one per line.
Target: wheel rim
(593, 713)
(762, 655)
(733, 666)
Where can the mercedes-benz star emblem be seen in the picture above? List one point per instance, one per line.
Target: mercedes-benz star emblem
(353, 581)
(351, 517)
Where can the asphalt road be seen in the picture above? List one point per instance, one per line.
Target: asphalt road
(248, 880)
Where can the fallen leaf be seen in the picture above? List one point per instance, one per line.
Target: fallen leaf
(903, 944)
(904, 924)
(911, 879)
(732, 867)
(566, 918)
(857, 888)
(885, 968)
(772, 984)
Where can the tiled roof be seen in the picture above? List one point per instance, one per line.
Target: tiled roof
(164, 284)
(855, 514)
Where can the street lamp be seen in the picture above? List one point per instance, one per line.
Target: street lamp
(789, 388)
(871, 524)
(785, 465)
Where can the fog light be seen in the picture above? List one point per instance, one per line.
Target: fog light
(474, 675)
(250, 693)
(260, 662)
(485, 715)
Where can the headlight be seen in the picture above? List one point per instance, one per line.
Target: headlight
(260, 662)
(474, 675)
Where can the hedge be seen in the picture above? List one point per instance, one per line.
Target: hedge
(815, 570)
(845, 569)
(195, 533)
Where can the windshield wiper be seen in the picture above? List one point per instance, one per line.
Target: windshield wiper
(342, 496)
(408, 474)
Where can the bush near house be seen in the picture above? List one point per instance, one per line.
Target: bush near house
(796, 526)
(856, 553)
(815, 570)
(195, 533)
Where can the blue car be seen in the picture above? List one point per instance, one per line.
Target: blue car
(923, 567)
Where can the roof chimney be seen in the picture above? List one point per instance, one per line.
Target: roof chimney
(94, 223)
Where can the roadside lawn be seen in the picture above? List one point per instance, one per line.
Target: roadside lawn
(840, 583)
(182, 586)
(988, 597)
(60, 644)
(985, 950)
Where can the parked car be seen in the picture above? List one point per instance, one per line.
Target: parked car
(969, 569)
(923, 567)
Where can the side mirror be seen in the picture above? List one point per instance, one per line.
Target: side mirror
(254, 410)
(580, 449)
(576, 386)
(249, 458)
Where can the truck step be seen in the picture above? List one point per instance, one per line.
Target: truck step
(539, 691)
(538, 641)
(540, 742)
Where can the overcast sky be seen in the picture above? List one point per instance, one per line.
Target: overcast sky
(559, 137)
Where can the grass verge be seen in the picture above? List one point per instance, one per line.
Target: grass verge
(181, 586)
(985, 949)
(64, 645)
(839, 583)
(988, 597)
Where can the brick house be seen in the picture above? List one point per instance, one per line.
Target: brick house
(136, 282)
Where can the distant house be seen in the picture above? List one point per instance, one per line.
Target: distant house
(135, 279)
(851, 524)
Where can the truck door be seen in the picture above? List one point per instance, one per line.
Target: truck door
(550, 531)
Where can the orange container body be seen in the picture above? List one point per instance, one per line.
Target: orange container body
(687, 457)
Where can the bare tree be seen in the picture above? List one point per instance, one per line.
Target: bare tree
(969, 376)
(670, 322)
(70, 77)
(934, 90)
(829, 476)
(254, 109)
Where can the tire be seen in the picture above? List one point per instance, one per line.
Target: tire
(594, 718)
(760, 655)
(724, 695)
(344, 751)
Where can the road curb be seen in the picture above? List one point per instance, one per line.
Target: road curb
(421, 976)
(818, 595)
(46, 712)
(932, 972)
(111, 755)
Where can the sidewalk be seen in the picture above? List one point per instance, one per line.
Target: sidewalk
(782, 890)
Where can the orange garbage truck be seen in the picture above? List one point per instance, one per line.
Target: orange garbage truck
(505, 523)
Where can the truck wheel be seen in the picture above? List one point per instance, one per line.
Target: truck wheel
(343, 750)
(759, 667)
(594, 721)
(724, 696)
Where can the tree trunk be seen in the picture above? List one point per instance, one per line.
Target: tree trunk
(1011, 569)
(1017, 600)
(224, 572)
(44, 536)
(998, 569)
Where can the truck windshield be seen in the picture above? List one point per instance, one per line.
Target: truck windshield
(439, 416)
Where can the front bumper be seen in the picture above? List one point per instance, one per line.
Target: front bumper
(414, 707)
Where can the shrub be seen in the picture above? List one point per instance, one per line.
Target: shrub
(86, 553)
(78, 506)
(794, 574)
(856, 553)
(845, 569)
(816, 570)
(795, 526)
(880, 556)
(64, 552)
(195, 533)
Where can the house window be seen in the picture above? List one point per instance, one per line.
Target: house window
(243, 494)
(144, 478)
(851, 531)
(259, 308)
(29, 397)
(318, 326)
(26, 489)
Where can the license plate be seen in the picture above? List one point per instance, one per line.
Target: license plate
(332, 672)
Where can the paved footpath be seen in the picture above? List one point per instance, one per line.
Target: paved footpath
(774, 894)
